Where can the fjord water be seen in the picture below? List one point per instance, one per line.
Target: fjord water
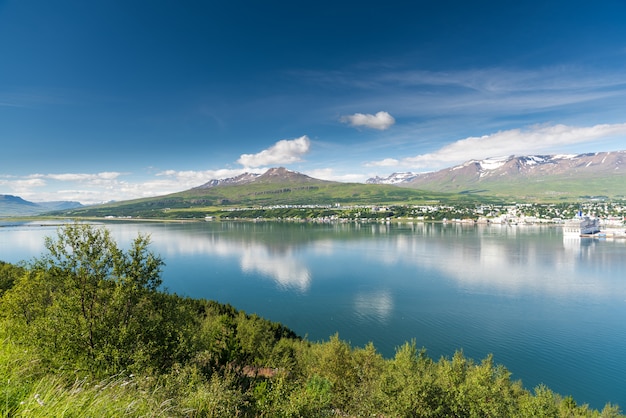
(551, 309)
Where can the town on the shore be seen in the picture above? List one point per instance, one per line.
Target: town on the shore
(609, 214)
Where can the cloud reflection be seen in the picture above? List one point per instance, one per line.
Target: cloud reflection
(276, 262)
(490, 261)
(376, 304)
(511, 260)
(286, 271)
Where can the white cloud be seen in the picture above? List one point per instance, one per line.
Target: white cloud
(21, 186)
(283, 152)
(332, 175)
(536, 139)
(387, 162)
(380, 121)
(87, 188)
(81, 177)
(28, 183)
(193, 178)
(107, 186)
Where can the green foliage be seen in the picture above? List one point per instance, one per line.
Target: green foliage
(335, 363)
(92, 304)
(409, 386)
(9, 274)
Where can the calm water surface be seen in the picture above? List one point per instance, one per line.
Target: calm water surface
(552, 310)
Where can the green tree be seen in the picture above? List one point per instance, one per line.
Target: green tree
(336, 364)
(409, 384)
(88, 301)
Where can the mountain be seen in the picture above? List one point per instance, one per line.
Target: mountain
(16, 206)
(244, 178)
(275, 187)
(273, 175)
(538, 177)
(281, 175)
(395, 178)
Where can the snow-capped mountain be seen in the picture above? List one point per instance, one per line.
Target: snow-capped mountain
(240, 179)
(273, 175)
(394, 178)
(497, 174)
(538, 165)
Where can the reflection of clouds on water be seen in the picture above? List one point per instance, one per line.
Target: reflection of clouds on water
(254, 256)
(490, 262)
(323, 247)
(490, 259)
(377, 305)
(19, 240)
(282, 268)
(491, 266)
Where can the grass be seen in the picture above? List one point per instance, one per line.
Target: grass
(52, 396)
(18, 371)
(546, 189)
(27, 390)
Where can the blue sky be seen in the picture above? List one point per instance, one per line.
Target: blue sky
(112, 100)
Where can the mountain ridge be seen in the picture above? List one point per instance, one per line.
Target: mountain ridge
(527, 176)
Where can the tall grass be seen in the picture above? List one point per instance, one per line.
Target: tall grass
(19, 368)
(115, 397)
(28, 389)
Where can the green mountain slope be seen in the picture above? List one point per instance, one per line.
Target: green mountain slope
(548, 188)
(533, 178)
(274, 188)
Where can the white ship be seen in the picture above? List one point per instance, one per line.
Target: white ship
(581, 226)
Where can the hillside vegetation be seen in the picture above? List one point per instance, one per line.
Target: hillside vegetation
(86, 331)
(196, 203)
(548, 189)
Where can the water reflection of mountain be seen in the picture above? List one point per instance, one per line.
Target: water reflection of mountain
(514, 260)
(487, 259)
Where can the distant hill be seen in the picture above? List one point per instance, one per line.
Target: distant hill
(534, 177)
(16, 206)
(275, 187)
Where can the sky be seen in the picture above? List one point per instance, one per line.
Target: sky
(118, 99)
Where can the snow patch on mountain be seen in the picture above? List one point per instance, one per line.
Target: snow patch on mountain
(510, 167)
(394, 178)
(493, 163)
(240, 179)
